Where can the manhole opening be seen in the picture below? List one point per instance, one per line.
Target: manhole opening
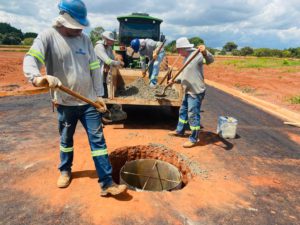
(149, 168)
(150, 175)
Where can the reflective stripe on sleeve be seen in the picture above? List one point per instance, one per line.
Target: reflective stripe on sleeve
(94, 65)
(39, 56)
(142, 57)
(183, 121)
(69, 149)
(99, 152)
(108, 61)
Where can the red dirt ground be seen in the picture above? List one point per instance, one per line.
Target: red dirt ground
(29, 178)
(272, 85)
(29, 169)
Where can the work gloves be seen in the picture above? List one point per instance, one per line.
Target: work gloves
(202, 49)
(102, 106)
(117, 64)
(46, 81)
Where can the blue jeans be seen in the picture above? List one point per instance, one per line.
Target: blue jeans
(189, 115)
(90, 118)
(154, 68)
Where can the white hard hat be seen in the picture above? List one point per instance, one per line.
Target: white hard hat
(183, 42)
(108, 35)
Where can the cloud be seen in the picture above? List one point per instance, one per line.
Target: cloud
(256, 23)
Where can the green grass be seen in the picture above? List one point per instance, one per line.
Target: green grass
(14, 46)
(295, 100)
(262, 63)
(13, 50)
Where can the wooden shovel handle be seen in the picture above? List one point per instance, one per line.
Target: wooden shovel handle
(76, 95)
(181, 69)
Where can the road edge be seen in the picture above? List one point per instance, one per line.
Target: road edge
(289, 116)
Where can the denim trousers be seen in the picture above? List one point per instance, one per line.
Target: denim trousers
(189, 115)
(154, 68)
(90, 118)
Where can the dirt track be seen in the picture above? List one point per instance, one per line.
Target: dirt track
(253, 179)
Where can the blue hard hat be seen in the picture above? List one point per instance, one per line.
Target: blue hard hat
(135, 44)
(76, 9)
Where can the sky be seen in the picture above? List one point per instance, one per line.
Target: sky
(254, 23)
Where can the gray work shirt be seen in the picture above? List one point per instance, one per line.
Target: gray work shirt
(148, 47)
(70, 59)
(105, 55)
(192, 77)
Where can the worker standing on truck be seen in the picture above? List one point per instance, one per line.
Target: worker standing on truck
(192, 81)
(69, 57)
(104, 53)
(148, 48)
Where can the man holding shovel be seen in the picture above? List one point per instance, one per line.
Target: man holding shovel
(148, 48)
(69, 57)
(104, 52)
(192, 81)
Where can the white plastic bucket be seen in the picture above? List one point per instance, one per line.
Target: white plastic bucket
(227, 127)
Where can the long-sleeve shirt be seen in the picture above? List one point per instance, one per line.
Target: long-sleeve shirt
(148, 47)
(192, 77)
(105, 55)
(70, 59)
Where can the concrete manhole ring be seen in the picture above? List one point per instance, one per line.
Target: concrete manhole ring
(149, 167)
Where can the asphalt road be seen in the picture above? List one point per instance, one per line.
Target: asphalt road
(262, 140)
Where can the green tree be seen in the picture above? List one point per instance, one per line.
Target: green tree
(10, 35)
(295, 52)
(95, 34)
(196, 41)
(222, 52)
(211, 50)
(30, 35)
(229, 46)
(236, 52)
(286, 53)
(171, 47)
(246, 51)
(28, 41)
(11, 39)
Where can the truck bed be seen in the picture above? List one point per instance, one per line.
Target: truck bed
(122, 78)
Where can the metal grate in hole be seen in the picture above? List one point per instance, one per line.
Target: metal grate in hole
(150, 175)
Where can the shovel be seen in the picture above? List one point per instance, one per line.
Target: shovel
(76, 95)
(152, 60)
(169, 73)
(177, 74)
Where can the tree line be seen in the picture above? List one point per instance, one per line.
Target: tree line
(12, 36)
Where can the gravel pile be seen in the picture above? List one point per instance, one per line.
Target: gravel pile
(140, 89)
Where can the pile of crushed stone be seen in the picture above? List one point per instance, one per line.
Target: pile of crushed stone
(140, 89)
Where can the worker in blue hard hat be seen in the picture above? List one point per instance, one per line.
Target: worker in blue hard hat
(69, 57)
(148, 48)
